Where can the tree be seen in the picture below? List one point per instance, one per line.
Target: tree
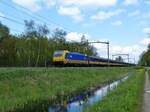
(119, 58)
(36, 38)
(4, 32)
(148, 47)
(145, 57)
(59, 35)
(33, 47)
(8, 51)
(30, 28)
(84, 40)
(42, 31)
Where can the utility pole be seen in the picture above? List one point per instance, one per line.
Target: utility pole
(130, 60)
(107, 43)
(134, 60)
(108, 52)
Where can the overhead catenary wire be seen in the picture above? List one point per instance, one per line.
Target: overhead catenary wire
(36, 17)
(13, 20)
(13, 16)
(22, 11)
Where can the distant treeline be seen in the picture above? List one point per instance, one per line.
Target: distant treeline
(145, 57)
(36, 45)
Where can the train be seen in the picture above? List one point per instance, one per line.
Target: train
(66, 58)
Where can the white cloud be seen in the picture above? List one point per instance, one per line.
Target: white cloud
(90, 3)
(134, 13)
(74, 36)
(145, 41)
(134, 51)
(130, 2)
(50, 3)
(116, 49)
(99, 45)
(117, 23)
(146, 30)
(73, 12)
(29, 4)
(102, 15)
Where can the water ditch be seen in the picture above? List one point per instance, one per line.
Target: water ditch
(85, 99)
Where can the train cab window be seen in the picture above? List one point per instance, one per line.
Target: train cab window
(66, 55)
(58, 53)
(69, 56)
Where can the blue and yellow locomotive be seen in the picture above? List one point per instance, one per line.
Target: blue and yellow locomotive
(66, 58)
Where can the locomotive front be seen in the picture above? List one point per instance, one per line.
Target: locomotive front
(59, 57)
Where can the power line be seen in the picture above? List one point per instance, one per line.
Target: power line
(11, 15)
(5, 3)
(10, 19)
(28, 14)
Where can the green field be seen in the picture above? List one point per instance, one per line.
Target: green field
(126, 98)
(26, 88)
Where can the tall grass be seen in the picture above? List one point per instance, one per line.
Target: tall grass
(25, 89)
(126, 98)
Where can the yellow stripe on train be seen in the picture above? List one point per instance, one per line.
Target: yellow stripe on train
(98, 63)
(75, 61)
(103, 63)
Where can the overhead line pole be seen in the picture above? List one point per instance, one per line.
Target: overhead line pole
(107, 43)
(131, 60)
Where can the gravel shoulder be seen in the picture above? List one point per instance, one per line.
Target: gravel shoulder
(146, 105)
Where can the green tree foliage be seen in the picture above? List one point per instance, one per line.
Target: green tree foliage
(7, 46)
(4, 32)
(145, 57)
(36, 45)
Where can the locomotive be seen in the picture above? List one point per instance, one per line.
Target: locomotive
(66, 58)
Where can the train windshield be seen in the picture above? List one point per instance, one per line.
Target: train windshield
(58, 53)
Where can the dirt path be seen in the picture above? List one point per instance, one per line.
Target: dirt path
(146, 106)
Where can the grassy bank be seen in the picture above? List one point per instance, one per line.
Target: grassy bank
(24, 88)
(126, 98)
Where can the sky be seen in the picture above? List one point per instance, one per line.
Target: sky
(124, 23)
